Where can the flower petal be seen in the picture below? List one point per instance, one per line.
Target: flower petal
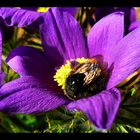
(28, 61)
(127, 58)
(105, 34)
(134, 25)
(2, 76)
(18, 17)
(133, 15)
(100, 109)
(100, 12)
(0, 48)
(30, 8)
(129, 16)
(24, 96)
(72, 10)
(20, 84)
(62, 37)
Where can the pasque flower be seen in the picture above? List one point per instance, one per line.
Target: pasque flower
(10, 17)
(101, 60)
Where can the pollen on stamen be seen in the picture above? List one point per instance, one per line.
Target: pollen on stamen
(65, 70)
(42, 9)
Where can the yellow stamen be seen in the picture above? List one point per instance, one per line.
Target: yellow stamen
(42, 9)
(65, 70)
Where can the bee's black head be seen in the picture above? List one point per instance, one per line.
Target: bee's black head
(74, 84)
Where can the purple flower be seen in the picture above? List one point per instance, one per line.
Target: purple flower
(21, 18)
(2, 76)
(62, 39)
(14, 17)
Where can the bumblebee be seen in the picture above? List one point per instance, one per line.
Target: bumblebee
(86, 79)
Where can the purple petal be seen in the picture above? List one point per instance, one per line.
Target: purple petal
(20, 84)
(133, 15)
(100, 12)
(127, 58)
(72, 10)
(100, 109)
(25, 95)
(30, 8)
(62, 37)
(18, 17)
(28, 61)
(134, 25)
(2, 76)
(129, 16)
(0, 48)
(105, 34)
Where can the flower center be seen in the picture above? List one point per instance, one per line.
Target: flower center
(81, 78)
